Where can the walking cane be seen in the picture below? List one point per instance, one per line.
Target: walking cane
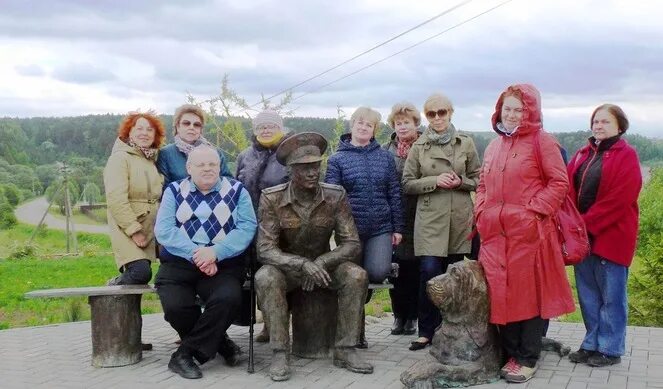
(252, 316)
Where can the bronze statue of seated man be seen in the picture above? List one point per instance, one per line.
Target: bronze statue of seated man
(297, 220)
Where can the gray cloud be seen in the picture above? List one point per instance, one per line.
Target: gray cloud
(82, 73)
(30, 70)
(163, 49)
(288, 24)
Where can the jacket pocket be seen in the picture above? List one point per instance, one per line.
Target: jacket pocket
(290, 223)
(141, 210)
(423, 203)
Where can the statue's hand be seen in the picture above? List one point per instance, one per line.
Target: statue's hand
(308, 284)
(317, 273)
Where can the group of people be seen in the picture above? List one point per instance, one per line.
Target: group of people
(409, 202)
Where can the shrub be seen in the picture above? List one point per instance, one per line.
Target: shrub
(74, 311)
(12, 193)
(22, 251)
(646, 303)
(7, 217)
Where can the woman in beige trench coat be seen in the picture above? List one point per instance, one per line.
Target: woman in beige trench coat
(133, 189)
(442, 169)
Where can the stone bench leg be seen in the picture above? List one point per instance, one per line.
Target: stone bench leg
(314, 323)
(116, 330)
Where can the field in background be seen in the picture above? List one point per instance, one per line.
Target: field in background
(47, 268)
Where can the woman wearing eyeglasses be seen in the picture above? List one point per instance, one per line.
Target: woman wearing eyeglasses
(257, 167)
(188, 121)
(442, 169)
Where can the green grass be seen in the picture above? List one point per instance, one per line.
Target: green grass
(78, 216)
(100, 214)
(46, 270)
(380, 304)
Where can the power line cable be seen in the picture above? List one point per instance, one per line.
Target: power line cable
(366, 51)
(401, 51)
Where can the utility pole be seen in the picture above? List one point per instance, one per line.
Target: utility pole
(66, 201)
(70, 230)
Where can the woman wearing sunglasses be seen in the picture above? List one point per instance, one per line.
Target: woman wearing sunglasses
(442, 169)
(188, 121)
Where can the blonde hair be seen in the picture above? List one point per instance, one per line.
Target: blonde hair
(404, 109)
(187, 108)
(368, 114)
(438, 98)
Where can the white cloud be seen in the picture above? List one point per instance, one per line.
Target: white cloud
(67, 57)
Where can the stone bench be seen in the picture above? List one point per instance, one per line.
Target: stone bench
(115, 319)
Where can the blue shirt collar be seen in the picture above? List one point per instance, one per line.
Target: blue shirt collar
(215, 188)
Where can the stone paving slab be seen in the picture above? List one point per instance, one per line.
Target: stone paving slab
(59, 356)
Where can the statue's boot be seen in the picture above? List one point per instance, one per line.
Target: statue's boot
(362, 332)
(263, 336)
(349, 358)
(279, 370)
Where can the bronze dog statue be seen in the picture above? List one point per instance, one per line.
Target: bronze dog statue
(465, 349)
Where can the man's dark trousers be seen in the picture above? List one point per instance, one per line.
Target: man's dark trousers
(178, 282)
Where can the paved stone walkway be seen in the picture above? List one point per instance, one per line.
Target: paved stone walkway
(58, 356)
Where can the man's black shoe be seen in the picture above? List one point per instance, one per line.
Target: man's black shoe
(232, 344)
(230, 352)
(182, 363)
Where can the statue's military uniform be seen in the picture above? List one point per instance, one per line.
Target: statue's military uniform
(293, 232)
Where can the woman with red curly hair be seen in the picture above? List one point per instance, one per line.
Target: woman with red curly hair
(133, 189)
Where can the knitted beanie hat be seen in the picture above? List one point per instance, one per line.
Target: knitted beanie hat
(267, 116)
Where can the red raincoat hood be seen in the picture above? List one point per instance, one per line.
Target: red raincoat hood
(532, 116)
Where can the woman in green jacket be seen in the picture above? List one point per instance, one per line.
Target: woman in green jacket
(133, 189)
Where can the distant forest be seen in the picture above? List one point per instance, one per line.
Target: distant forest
(30, 148)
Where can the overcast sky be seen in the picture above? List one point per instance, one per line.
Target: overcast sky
(75, 57)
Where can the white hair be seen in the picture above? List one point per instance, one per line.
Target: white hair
(201, 149)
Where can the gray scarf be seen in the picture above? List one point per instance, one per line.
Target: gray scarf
(440, 139)
(186, 148)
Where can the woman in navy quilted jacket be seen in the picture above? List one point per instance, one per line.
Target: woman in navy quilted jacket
(368, 174)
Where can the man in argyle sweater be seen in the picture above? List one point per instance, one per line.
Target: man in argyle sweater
(204, 224)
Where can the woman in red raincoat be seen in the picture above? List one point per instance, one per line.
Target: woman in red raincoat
(520, 253)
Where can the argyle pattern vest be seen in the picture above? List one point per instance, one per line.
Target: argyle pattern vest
(206, 218)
